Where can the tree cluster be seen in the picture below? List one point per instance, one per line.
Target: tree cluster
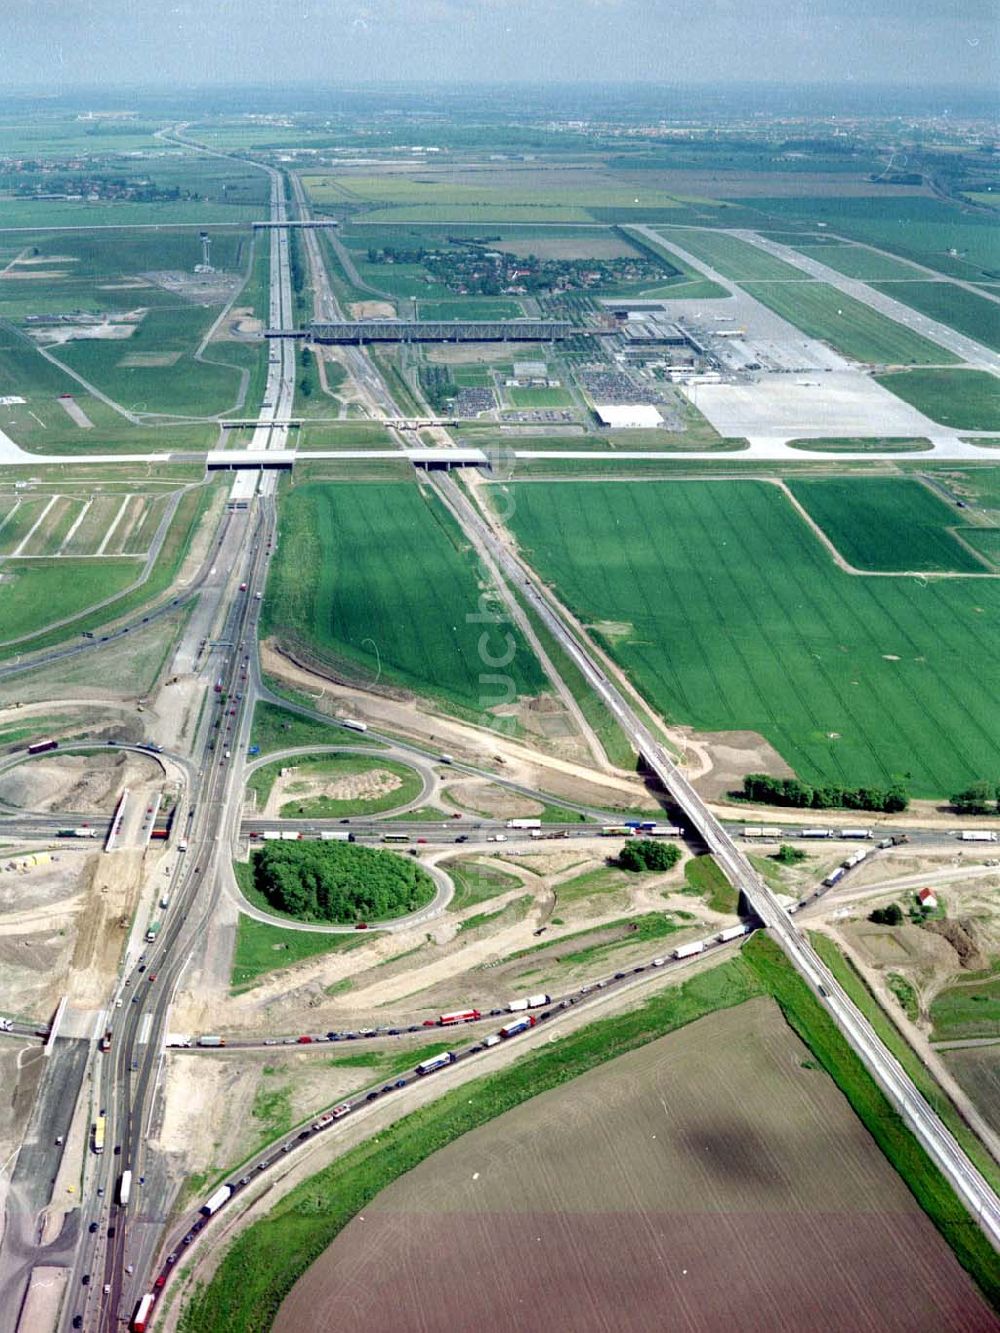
(648, 854)
(979, 798)
(887, 916)
(339, 882)
(787, 855)
(802, 795)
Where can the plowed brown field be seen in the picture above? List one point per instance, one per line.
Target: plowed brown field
(710, 1181)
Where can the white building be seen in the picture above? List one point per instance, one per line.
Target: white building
(628, 416)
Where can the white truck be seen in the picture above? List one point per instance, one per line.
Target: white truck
(353, 725)
(212, 1204)
(530, 1002)
(689, 950)
(524, 823)
(732, 933)
(977, 835)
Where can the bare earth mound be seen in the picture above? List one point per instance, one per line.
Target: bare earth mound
(708, 1181)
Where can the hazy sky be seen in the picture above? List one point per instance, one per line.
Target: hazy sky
(61, 43)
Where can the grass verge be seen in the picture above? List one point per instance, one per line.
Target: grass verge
(702, 875)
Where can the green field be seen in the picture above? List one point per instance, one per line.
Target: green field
(469, 307)
(477, 882)
(962, 399)
(851, 328)
(733, 258)
(38, 593)
(856, 261)
(377, 580)
(276, 728)
(728, 613)
(967, 1010)
(35, 593)
(975, 316)
(263, 948)
(886, 523)
(539, 397)
(892, 445)
(943, 236)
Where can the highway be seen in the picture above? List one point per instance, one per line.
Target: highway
(118, 1244)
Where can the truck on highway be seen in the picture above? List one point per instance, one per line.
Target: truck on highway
(215, 1201)
(105, 1042)
(211, 1041)
(353, 725)
(6, 1025)
(689, 950)
(436, 1062)
(762, 831)
(336, 835)
(124, 1188)
(140, 1320)
(40, 747)
(76, 833)
(732, 933)
(97, 1134)
(977, 835)
(616, 831)
(661, 830)
(518, 1025)
(459, 1016)
(816, 833)
(524, 823)
(856, 833)
(164, 901)
(834, 877)
(152, 932)
(531, 1002)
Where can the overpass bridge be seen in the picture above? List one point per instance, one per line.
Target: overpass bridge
(362, 331)
(430, 460)
(312, 224)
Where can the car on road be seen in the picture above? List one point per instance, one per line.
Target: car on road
(305, 1041)
(85, 1280)
(78, 1321)
(92, 1228)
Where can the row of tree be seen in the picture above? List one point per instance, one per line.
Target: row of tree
(766, 790)
(339, 882)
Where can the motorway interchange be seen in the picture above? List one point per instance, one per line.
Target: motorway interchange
(119, 1254)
